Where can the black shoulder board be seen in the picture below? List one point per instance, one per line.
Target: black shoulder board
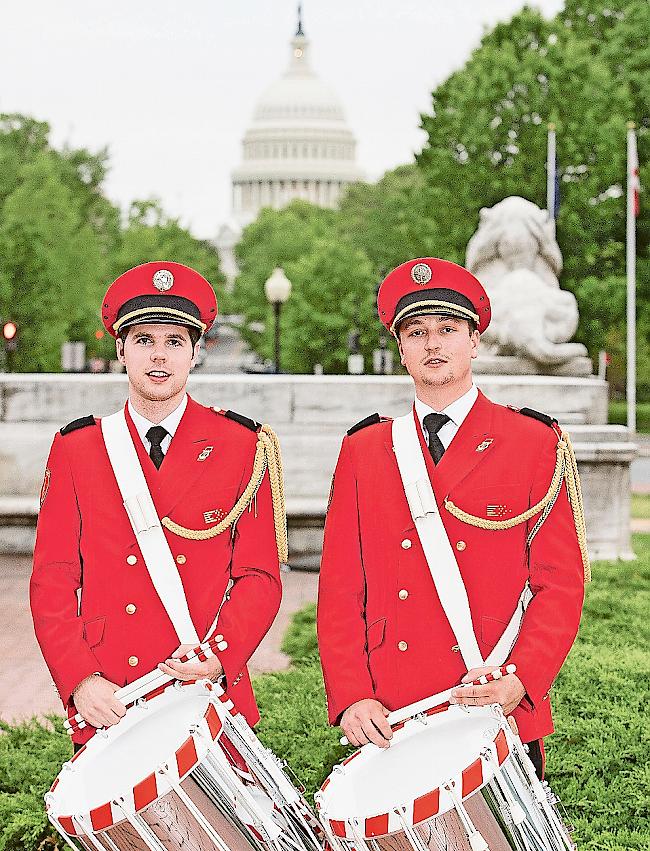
(373, 419)
(543, 418)
(242, 420)
(82, 422)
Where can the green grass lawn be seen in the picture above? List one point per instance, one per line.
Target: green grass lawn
(618, 415)
(598, 759)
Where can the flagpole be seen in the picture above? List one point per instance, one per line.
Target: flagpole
(630, 265)
(550, 171)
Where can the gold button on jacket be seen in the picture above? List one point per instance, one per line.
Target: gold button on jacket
(406, 544)
(460, 545)
(130, 609)
(181, 559)
(131, 559)
(133, 661)
(403, 594)
(402, 645)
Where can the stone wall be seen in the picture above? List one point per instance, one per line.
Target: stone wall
(310, 414)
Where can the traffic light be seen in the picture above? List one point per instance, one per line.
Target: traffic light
(10, 339)
(10, 334)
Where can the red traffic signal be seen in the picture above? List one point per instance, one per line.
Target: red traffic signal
(9, 330)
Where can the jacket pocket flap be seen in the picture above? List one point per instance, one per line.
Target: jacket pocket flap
(375, 634)
(94, 631)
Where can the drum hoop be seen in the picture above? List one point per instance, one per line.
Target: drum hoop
(186, 757)
(468, 780)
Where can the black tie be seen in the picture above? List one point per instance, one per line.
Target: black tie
(155, 436)
(433, 423)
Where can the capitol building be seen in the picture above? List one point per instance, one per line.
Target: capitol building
(298, 145)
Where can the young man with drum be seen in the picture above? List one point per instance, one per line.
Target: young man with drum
(157, 527)
(407, 610)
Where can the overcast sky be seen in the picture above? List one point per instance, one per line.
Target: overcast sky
(170, 87)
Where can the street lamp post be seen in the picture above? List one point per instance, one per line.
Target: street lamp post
(277, 290)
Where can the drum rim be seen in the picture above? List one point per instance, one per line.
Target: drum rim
(431, 803)
(184, 759)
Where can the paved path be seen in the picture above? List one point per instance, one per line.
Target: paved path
(25, 684)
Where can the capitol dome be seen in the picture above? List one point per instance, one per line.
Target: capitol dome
(298, 144)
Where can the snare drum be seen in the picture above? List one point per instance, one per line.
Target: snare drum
(182, 769)
(453, 778)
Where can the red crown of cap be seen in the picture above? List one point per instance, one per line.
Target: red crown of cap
(430, 273)
(163, 279)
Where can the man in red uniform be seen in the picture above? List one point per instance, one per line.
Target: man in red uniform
(385, 639)
(97, 616)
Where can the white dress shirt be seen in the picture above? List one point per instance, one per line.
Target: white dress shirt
(456, 412)
(170, 423)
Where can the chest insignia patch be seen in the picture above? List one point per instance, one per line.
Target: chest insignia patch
(497, 510)
(484, 445)
(45, 486)
(214, 516)
(205, 453)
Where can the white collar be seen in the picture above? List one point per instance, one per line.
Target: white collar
(170, 423)
(456, 411)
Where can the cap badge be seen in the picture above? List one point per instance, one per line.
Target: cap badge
(421, 274)
(163, 280)
(484, 445)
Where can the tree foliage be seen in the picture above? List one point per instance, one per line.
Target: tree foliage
(62, 242)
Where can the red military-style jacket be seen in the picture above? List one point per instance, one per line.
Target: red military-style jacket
(93, 603)
(382, 631)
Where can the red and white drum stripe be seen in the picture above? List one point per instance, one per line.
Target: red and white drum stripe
(186, 757)
(427, 805)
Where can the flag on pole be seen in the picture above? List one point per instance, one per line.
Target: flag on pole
(552, 175)
(630, 270)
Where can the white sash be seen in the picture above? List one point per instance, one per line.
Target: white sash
(439, 553)
(144, 519)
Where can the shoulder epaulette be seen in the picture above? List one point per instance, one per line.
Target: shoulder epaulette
(551, 422)
(82, 422)
(373, 419)
(247, 422)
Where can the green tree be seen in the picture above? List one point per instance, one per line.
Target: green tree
(275, 238)
(151, 235)
(51, 266)
(391, 220)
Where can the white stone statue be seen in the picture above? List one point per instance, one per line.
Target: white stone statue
(515, 256)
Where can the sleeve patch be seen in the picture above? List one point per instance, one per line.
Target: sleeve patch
(373, 419)
(82, 422)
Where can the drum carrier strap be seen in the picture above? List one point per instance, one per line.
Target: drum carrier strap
(144, 519)
(439, 553)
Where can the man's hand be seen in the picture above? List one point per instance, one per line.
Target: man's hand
(365, 721)
(507, 691)
(210, 669)
(94, 700)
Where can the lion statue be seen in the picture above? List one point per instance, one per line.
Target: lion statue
(517, 259)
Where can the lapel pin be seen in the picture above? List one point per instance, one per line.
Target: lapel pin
(205, 453)
(484, 445)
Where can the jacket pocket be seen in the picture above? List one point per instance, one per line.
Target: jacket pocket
(375, 634)
(94, 631)
(491, 630)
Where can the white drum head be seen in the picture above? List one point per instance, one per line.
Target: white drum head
(421, 758)
(113, 763)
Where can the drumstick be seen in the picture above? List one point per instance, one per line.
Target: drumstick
(436, 700)
(131, 692)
